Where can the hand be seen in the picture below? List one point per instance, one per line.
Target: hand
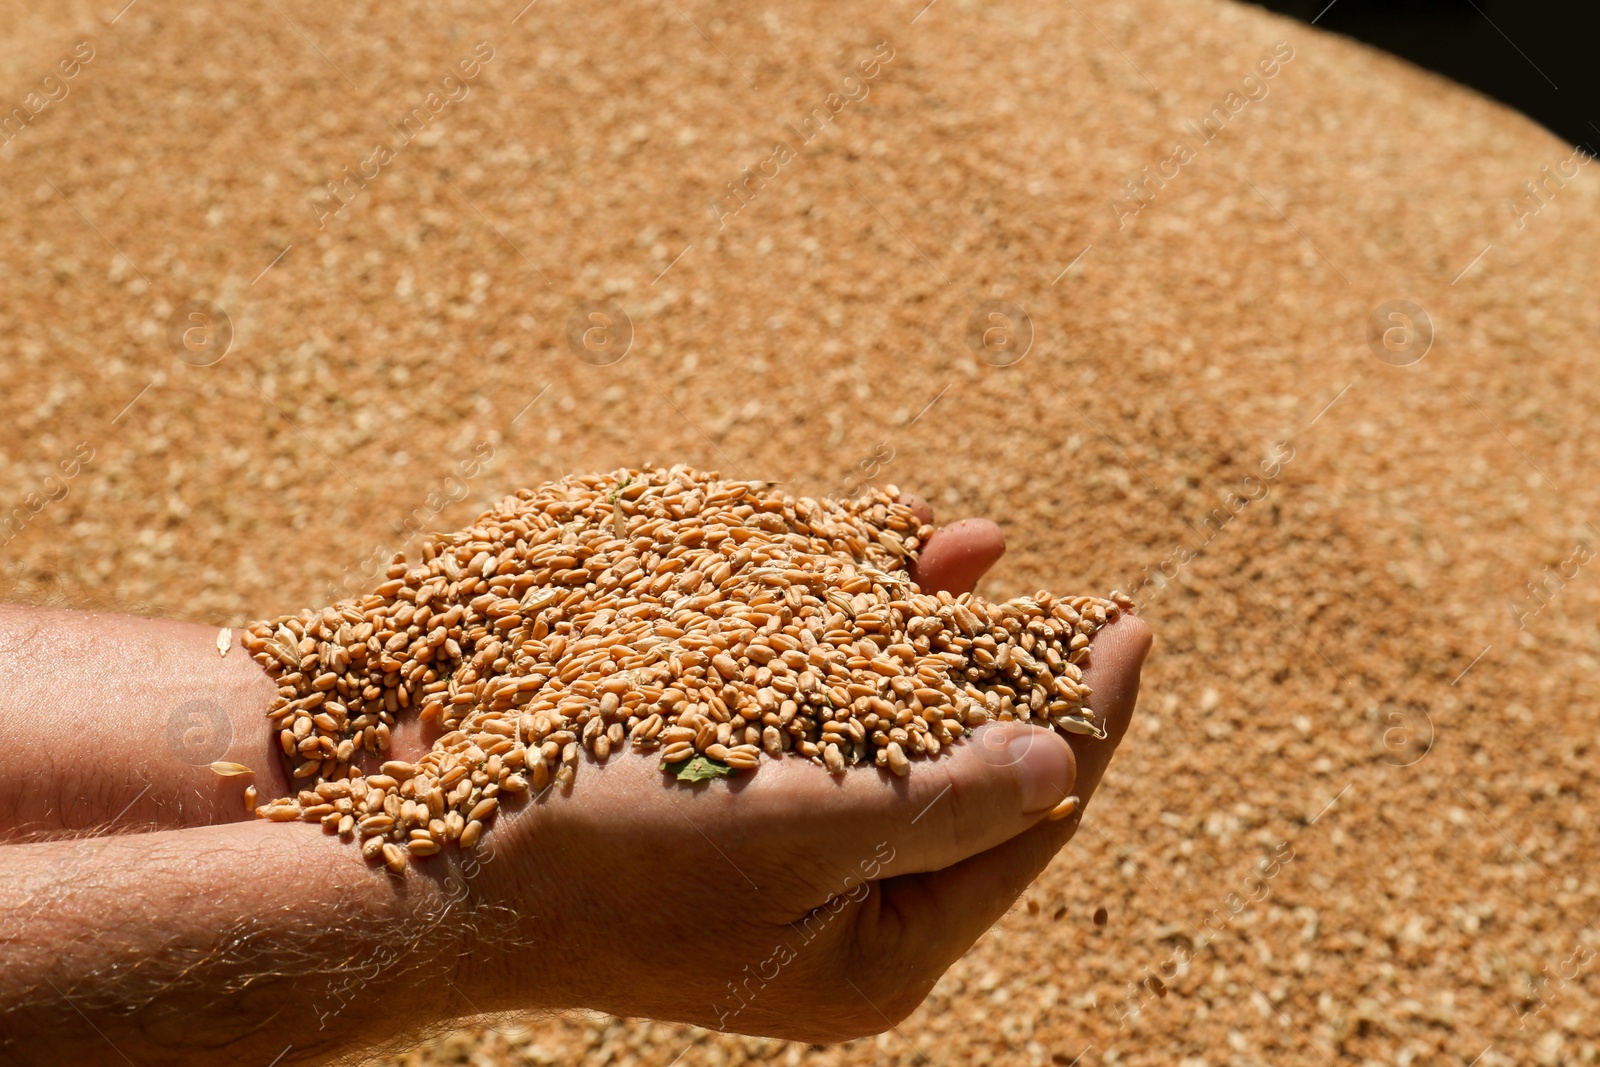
(787, 902)
(784, 902)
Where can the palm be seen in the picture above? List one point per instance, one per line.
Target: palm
(772, 889)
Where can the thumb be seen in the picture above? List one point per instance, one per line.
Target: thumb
(984, 791)
(913, 926)
(947, 910)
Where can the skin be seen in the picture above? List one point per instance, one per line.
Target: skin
(784, 902)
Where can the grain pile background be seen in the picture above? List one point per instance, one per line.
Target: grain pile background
(1352, 680)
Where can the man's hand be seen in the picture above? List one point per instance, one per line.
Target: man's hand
(789, 902)
(785, 902)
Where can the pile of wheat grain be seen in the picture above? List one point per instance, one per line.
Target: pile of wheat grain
(711, 621)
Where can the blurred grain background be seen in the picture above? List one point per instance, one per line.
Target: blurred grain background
(1350, 668)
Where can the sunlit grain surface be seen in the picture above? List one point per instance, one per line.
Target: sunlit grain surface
(1351, 668)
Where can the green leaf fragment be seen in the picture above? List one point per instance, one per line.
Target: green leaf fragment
(700, 769)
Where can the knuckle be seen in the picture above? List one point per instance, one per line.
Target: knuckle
(889, 1001)
(856, 984)
(859, 1020)
(898, 1005)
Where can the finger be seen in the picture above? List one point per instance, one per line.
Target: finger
(919, 507)
(1116, 657)
(932, 918)
(956, 556)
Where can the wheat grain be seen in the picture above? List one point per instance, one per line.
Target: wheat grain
(393, 857)
(663, 611)
(1063, 809)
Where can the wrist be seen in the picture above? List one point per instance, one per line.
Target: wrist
(415, 964)
(503, 897)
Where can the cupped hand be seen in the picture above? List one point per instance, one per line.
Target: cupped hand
(786, 902)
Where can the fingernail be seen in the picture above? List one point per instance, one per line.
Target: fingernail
(1044, 766)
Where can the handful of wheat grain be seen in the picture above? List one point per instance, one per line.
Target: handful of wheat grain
(709, 621)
